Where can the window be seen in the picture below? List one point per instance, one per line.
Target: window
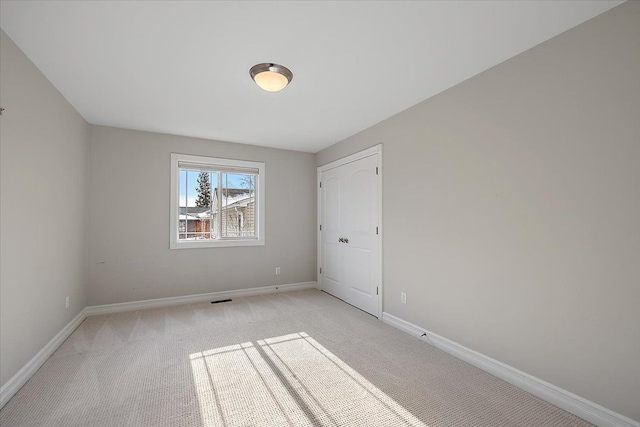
(216, 202)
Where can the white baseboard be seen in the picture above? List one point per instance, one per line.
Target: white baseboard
(11, 387)
(164, 302)
(585, 409)
(14, 384)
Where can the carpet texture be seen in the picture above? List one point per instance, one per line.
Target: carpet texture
(299, 358)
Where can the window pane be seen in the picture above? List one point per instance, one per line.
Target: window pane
(213, 223)
(195, 204)
(238, 205)
(182, 203)
(199, 205)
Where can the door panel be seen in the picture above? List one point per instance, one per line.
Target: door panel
(359, 215)
(332, 266)
(331, 224)
(360, 272)
(350, 246)
(333, 195)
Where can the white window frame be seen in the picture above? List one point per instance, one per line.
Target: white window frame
(175, 243)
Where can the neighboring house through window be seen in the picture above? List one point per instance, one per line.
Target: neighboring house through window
(216, 202)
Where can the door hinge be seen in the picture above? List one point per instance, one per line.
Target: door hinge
(320, 184)
(376, 290)
(376, 230)
(320, 227)
(320, 270)
(376, 170)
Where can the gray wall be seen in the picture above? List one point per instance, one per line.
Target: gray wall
(512, 210)
(42, 214)
(129, 220)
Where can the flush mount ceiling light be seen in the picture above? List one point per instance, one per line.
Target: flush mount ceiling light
(271, 77)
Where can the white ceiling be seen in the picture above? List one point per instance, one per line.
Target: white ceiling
(183, 67)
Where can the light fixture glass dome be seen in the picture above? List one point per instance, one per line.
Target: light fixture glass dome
(271, 77)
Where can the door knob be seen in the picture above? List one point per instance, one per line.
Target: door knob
(341, 240)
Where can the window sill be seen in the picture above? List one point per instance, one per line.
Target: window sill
(215, 243)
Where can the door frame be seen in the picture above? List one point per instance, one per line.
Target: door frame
(373, 151)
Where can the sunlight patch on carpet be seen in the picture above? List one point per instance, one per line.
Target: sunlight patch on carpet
(288, 380)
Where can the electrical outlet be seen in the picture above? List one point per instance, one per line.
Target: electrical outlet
(66, 302)
(277, 271)
(403, 298)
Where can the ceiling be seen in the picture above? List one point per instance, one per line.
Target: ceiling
(183, 67)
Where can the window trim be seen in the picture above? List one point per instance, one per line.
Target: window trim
(175, 243)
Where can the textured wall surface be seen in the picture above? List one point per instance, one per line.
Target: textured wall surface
(512, 210)
(129, 220)
(42, 214)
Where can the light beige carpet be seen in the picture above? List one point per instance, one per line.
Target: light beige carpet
(299, 358)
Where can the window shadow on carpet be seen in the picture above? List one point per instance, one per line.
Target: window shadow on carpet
(288, 380)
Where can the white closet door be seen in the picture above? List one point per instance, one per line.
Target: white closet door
(351, 258)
